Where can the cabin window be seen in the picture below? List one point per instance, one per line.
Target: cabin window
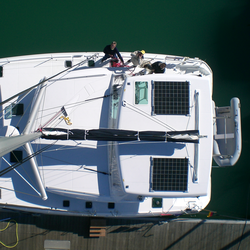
(141, 92)
(13, 110)
(171, 98)
(66, 203)
(111, 205)
(16, 156)
(88, 204)
(1, 71)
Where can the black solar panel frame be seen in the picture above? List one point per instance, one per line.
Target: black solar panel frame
(169, 174)
(171, 98)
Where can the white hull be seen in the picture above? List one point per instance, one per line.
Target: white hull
(101, 178)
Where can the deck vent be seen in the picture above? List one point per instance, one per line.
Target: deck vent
(88, 204)
(156, 202)
(169, 174)
(16, 156)
(171, 98)
(91, 63)
(66, 203)
(68, 64)
(111, 205)
(1, 71)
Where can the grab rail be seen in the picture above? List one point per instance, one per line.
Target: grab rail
(196, 146)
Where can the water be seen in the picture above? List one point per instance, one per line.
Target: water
(215, 31)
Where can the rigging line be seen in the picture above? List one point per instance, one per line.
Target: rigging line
(16, 191)
(104, 145)
(16, 170)
(43, 81)
(81, 166)
(29, 104)
(79, 103)
(97, 171)
(8, 169)
(141, 112)
(22, 177)
(131, 69)
(72, 105)
(66, 148)
(23, 114)
(42, 103)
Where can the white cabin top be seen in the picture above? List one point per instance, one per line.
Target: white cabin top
(144, 165)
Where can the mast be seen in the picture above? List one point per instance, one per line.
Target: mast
(8, 144)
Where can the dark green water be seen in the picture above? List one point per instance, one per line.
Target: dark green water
(217, 31)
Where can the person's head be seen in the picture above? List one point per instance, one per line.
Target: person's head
(141, 53)
(163, 65)
(113, 44)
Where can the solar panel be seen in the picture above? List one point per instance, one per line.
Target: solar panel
(171, 98)
(169, 174)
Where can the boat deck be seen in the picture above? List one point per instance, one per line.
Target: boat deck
(75, 173)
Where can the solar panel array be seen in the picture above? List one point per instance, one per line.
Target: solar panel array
(169, 174)
(171, 98)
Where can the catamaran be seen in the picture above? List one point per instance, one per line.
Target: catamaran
(89, 138)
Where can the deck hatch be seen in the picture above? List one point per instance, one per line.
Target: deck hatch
(141, 92)
(171, 98)
(16, 156)
(169, 174)
(14, 110)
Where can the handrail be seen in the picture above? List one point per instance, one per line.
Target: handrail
(196, 146)
(46, 56)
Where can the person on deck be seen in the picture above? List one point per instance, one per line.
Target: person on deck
(137, 57)
(111, 51)
(157, 67)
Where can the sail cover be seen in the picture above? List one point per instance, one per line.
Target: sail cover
(120, 135)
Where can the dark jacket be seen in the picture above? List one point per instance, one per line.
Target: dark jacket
(114, 52)
(157, 68)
